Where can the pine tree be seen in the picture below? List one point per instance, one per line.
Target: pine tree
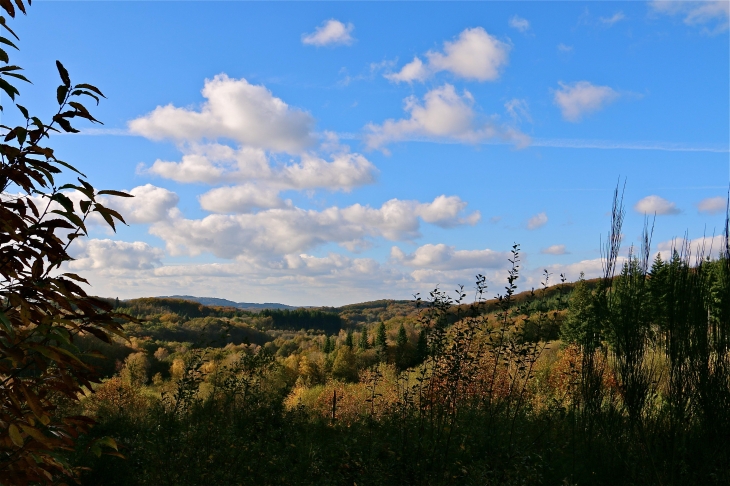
(402, 338)
(349, 341)
(364, 344)
(381, 339)
(580, 311)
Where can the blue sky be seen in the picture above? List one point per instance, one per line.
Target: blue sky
(330, 153)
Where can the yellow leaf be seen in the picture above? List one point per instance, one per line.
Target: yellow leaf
(36, 434)
(15, 435)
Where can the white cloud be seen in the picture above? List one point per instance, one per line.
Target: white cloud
(698, 248)
(537, 221)
(331, 32)
(712, 205)
(444, 114)
(554, 250)
(565, 48)
(413, 71)
(112, 256)
(518, 110)
(714, 13)
(516, 22)
(215, 163)
(617, 17)
(241, 199)
(656, 205)
(294, 230)
(590, 268)
(149, 204)
(581, 98)
(235, 109)
(443, 257)
(474, 55)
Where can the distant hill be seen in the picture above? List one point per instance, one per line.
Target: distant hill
(214, 301)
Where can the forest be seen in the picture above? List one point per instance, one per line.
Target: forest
(621, 379)
(616, 380)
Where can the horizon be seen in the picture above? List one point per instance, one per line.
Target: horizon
(340, 153)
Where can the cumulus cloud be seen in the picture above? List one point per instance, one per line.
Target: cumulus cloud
(516, 22)
(554, 250)
(215, 163)
(331, 32)
(443, 114)
(474, 55)
(443, 257)
(234, 109)
(714, 16)
(415, 70)
(294, 230)
(695, 249)
(712, 205)
(149, 204)
(537, 221)
(582, 98)
(241, 199)
(656, 205)
(609, 21)
(111, 255)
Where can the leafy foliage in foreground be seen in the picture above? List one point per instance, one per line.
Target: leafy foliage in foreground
(44, 311)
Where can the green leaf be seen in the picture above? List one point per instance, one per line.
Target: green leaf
(23, 110)
(66, 125)
(8, 42)
(63, 200)
(114, 193)
(8, 88)
(19, 76)
(64, 74)
(90, 88)
(79, 92)
(22, 133)
(61, 93)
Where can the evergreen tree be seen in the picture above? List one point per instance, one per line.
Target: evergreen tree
(580, 311)
(364, 344)
(402, 338)
(381, 339)
(658, 290)
(349, 341)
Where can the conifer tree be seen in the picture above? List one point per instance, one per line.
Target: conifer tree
(328, 346)
(349, 341)
(580, 311)
(381, 339)
(364, 344)
(402, 338)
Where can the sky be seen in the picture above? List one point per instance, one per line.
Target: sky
(338, 152)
